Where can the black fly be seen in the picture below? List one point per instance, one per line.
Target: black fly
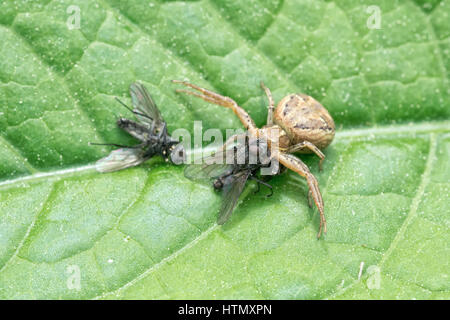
(230, 169)
(150, 129)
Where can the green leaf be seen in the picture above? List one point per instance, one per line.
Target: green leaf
(148, 232)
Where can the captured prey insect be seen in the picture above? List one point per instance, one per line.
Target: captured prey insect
(150, 129)
(230, 169)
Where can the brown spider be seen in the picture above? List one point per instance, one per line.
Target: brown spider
(298, 124)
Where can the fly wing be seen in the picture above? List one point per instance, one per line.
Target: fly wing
(232, 189)
(144, 104)
(120, 159)
(218, 164)
(205, 172)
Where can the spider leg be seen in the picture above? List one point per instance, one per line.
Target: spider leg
(310, 146)
(271, 106)
(295, 164)
(309, 199)
(218, 99)
(232, 139)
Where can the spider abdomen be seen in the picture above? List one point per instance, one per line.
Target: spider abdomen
(305, 119)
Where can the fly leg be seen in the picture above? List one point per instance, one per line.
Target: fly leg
(263, 183)
(271, 107)
(162, 131)
(257, 188)
(218, 99)
(310, 146)
(133, 111)
(295, 164)
(115, 145)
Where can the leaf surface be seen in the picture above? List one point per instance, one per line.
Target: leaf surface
(148, 232)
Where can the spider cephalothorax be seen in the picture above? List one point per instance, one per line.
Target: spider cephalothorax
(298, 124)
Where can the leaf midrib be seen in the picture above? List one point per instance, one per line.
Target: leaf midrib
(402, 129)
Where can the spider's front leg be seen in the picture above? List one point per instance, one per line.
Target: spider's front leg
(226, 102)
(295, 164)
(271, 107)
